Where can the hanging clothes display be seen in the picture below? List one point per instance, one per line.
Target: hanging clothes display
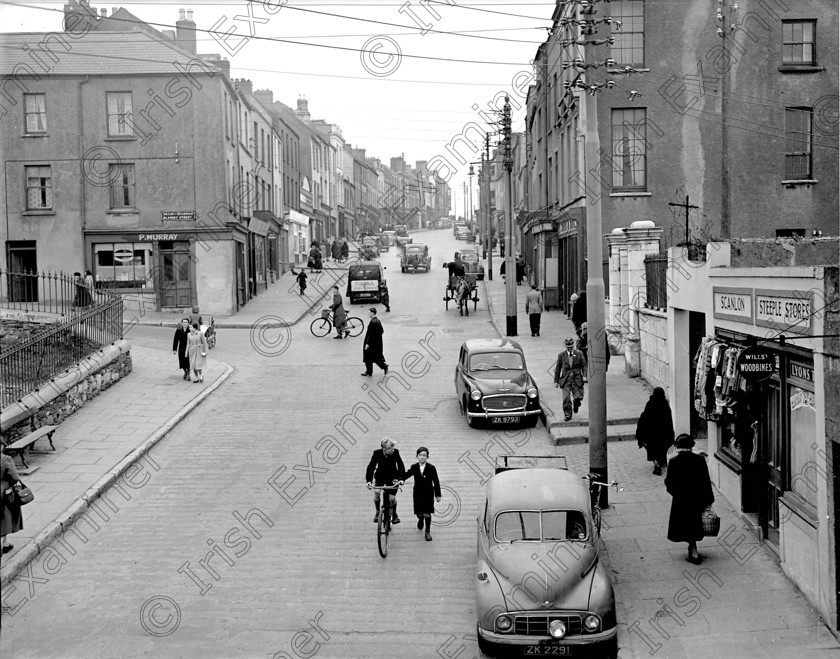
(717, 381)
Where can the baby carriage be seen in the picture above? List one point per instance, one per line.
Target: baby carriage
(210, 333)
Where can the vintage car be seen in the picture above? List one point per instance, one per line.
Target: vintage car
(369, 248)
(493, 384)
(457, 225)
(472, 264)
(387, 239)
(402, 235)
(462, 233)
(541, 587)
(365, 282)
(416, 257)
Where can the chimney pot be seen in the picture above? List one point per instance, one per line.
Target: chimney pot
(189, 14)
(181, 14)
(103, 13)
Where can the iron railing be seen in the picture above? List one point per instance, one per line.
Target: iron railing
(49, 292)
(656, 272)
(27, 365)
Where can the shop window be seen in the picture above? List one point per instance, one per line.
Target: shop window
(805, 473)
(122, 185)
(35, 107)
(259, 258)
(799, 43)
(119, 114)
(124, 265)
(38, 188)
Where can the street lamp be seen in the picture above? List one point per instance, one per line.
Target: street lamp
(471, 219)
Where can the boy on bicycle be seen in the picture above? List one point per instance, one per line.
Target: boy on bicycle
(385, 468)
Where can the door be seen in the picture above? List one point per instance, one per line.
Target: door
(241, 291)
(771, 460)
(698, 426)
(23, 261)
(176, 282)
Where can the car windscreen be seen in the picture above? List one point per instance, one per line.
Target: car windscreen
(364, 272)
(494, 362)
(414, 249)
(472, 257)
(540, 526)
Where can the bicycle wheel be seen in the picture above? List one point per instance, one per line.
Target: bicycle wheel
(383, 527)
(596, 517)
(354, 326)
(320, 327)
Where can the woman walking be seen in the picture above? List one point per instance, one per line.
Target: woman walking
(11, 518)
(690, 487)
(345, 250)
(655, 430)
(197, 347)
(426, 490)
(179, 346)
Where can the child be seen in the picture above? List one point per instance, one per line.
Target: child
(426, 488)
(301, 279)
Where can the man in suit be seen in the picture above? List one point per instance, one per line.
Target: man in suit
(385, 468)
(568, 375)
(534, 309)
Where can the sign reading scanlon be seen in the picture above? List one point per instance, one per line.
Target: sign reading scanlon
(733, 303)
(787, 311)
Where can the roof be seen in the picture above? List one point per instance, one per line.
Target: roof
(537, 489)
(98, 53)
(492, 344)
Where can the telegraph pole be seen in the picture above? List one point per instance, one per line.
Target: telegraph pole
(489, 244)
(510, 255)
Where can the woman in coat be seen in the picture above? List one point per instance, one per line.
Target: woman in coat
(11, 518)
(426, 489)
(335, 249)
(197, 348)
(179, 346)
(579, 311)
(690, 487)
(345, 249)
(315, 259)
(655, 430)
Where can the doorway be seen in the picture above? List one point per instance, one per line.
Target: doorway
(698, 426)
(771, 459)
(176, 282)
(23, 262)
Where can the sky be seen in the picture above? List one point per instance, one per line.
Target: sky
(392, 86)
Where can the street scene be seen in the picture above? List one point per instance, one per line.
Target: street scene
(428, 329)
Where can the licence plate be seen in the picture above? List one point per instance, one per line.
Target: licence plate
(504, 419)
(548, 650)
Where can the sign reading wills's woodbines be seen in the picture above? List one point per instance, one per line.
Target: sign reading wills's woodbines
(756, 364)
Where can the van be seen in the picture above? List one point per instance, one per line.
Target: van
(365, 282)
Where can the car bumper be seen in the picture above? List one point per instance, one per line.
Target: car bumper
(490, 415)
(588, 640)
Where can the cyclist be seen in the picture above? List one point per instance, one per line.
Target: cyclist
(385, 468)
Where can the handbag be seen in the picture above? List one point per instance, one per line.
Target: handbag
(711, 522)
(23, 494)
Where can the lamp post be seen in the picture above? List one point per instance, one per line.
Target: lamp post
(470, 217)
(510, 253)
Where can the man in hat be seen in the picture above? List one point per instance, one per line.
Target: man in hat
(568, 375)
(384, 469)
(534, 309)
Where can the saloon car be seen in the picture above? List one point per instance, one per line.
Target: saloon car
(369, 248)
(387, 238)
(493, 384)
(462, 233)
(365, 282)
(402, 236)
(541, 588)
(416, 257)
(472, 264)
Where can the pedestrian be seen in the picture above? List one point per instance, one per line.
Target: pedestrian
(79, 287)
(520, 269)
(655, 429)
(345, 250)
(11, 517)
(534, 309)
(372, 353)
(690, 487)
(384, 296)
(195, 318)
(579, 311)
(179, 346)
(502, 247)
(90, 287)
(315, 259)
(385, 468)
(301, 280)
(568, 375)
(339, 315)
(197, 348)
(335, 248)
(328, 244)
(426, 490)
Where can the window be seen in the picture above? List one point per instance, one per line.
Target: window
(805, 469)
(548, 525)
(119, 114)
(35, 107)
(122, 185)
(38, 188)
(629, 153)
(629, 46)
(799, 43)
(124, 265)
(798, 143)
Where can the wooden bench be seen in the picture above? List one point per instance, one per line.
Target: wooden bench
(24, 443)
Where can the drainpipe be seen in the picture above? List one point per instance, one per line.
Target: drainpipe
(82, 197)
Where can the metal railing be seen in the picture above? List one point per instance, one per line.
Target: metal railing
(49, 292)
(656, 271)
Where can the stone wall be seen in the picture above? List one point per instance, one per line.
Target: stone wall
(653, 339)
(59, 408)
(12, 331)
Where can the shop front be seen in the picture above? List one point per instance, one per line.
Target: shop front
(299, 238)
(570, 252)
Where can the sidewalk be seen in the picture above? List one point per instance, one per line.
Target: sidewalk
(626, 396)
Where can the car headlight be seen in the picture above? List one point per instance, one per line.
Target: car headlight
(504, 623)
(475, 394)
(557, 629)
(592, 623)
(532, 392)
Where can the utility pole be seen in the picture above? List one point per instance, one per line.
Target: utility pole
(490, 232)
(726, 28)
(686, 205)
(510, 252)
(471, 219)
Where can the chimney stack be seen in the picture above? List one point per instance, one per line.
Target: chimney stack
(302, 111)
(186, 31)
(244, 85)
(224, 65)
(265, 97)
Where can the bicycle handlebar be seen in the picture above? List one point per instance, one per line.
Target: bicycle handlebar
(592, 481)
(385, 487)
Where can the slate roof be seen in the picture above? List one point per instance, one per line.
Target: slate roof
(96, 53)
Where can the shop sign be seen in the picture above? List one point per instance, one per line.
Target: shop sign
(801, 371)
(258, 226)
(756, 364)
(786, 311)
(733, 303)
(123, 255)
(178, 216)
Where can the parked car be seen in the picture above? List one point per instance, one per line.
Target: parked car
(472, 264)
(462, 233)
(456, 226)
(415, 257)
(541, 516)
(387, 239)
(493, 384)
(365, 282)
(402, 235)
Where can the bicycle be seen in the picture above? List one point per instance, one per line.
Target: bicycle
(595, 496)
(323, 326)
(383, 521)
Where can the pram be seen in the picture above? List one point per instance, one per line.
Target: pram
(210, 333)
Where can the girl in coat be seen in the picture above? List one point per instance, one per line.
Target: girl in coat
(197, 347)
(11, 518)
(655, 430)
(179, 346)
(426, 489)
(690, 487)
